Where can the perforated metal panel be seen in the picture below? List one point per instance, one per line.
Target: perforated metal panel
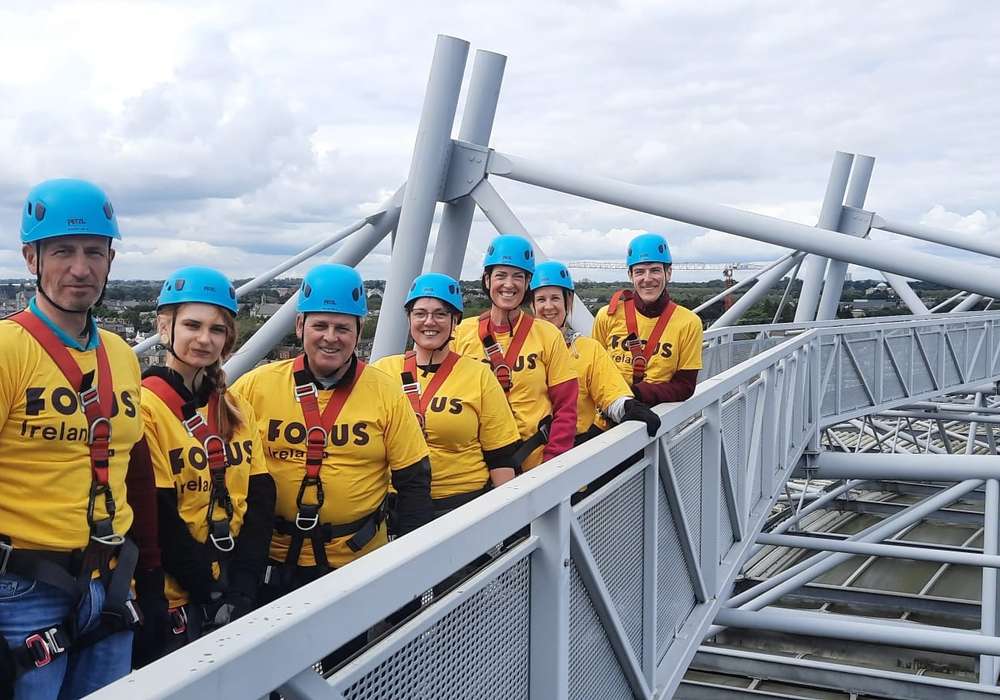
(674, 591)
(977, 364)
(478, 650)
(613, 529)
(685, 454)
(852, 390)
(828, 355)
(594, 671)
(956, 359)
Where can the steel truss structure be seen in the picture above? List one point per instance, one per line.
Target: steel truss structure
(732, 549)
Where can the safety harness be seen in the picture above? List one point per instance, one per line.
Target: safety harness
(411, 387)
(306, 523)
(641, 352)
(502, 364)
(72, 571)
(207, 434)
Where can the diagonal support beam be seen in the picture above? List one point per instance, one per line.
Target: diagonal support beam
(669, 480)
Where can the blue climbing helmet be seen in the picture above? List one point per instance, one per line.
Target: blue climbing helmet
(198, 284)
(67, 207)
(335, 289)
(436, 286)
(551, 273)
(648, 248)
(508, 249)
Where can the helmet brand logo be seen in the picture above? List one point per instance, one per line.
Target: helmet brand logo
(76, 222)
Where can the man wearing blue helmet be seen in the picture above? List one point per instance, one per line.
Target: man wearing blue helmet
(216, 498)
(655, 342)
(468, 424)
(69, 419)
(336, 431)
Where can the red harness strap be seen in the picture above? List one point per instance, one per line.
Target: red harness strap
(411, 387)
(96, 404)
(318, 427)
(207, 433)
(641, 352)
(500, 361)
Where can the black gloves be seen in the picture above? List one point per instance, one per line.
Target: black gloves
(635, 410)
(149, 638)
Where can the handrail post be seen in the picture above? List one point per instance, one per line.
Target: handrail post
(549, 626)
(711, 485)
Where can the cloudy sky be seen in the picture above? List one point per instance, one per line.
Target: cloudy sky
(238, 133)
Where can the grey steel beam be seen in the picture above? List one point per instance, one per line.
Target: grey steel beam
(952, 516)
(861, 251)
(757, 292)
(873, 682)
(968, 303)
(477, 124)
(283, 321)
(428, 169)
(988, 598)
(823, 625)
(814, 266)
(906, 294)
(911, 488)
(832, 465)
(505, 221)
(549, 623)
(947, 301)
(836, 270)
(872, 549)
(819, 504)
(741, 284)
(953, 239)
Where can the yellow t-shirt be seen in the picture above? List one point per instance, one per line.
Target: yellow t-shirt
(600, 381)
(180, 463)
(45, 472)
(543, 362)
(679, 346)
(468, 415)
(375, 432)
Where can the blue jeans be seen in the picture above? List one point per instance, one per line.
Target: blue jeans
(27, 606)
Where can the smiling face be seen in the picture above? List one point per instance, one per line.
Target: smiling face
(431, 323)
(74, 269)
(550, 303)
(328, 340)
(202, 333)
(649, 280)
(506, 286)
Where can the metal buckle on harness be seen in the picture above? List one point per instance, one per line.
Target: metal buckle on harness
(194, 423)
(134, 616)
(5, 551)
(307, 522)
(208, 450)
(179, 620)
(89, 396)
(303, 390)
(44, 646)
(413, 388)
(103, 531)
(632, 342)
(221, 536)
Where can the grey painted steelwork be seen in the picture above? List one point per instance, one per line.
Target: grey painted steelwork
(360, 244)
(832, 465)
(829, 215)
(836, 270)
(871, 549)
(477, 124)
(758, 291)
(742, 283)
(953, 239)
(428, 169)
(933, 268)
(906, 293)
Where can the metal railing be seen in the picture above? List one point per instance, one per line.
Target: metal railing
(607, 598)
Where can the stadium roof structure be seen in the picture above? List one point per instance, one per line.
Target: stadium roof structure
(819, 520)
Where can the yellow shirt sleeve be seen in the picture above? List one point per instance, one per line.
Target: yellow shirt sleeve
(690, 352)
(404, 441)
(497, 427)
(559, 367)
(606, 382)
(599, 331)
(258, 465)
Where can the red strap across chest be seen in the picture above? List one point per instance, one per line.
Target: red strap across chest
(411, 387)
(642, 353)
(205, 432)
(96, 403)
(501, 362)
(318, 425)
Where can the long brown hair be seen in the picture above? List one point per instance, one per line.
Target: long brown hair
(228, 418)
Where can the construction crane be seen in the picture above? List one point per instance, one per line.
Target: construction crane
(614, 265)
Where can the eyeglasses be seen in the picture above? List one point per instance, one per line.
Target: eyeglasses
(437, 316)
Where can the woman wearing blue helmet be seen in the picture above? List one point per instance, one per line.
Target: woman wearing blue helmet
(603, 393)
(468, 424)
(655, 342)
(337, 433)
(529, 359)
(216, 498)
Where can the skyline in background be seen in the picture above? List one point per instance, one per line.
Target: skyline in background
(229, 136)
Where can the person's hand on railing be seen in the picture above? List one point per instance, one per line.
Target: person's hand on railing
(636, 410)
